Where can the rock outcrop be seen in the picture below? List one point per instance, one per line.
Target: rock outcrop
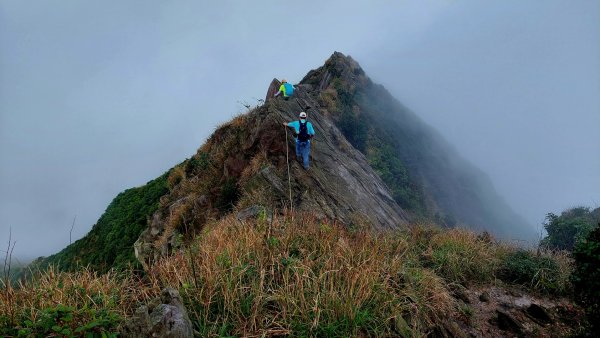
(252, 154)
(168, 319)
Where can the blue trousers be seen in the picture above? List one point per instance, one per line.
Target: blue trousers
(303, 151)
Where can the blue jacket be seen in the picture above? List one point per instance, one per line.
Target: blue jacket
(296, 125)
(286, 89)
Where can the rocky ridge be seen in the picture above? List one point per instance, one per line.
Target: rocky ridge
(372, 160)
(251, 152)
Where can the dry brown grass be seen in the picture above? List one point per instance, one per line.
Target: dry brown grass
(86, 292)
(292, 275)
(175, 176)
(258, 162)
(461, 256)
(304, 276)
(329, 98)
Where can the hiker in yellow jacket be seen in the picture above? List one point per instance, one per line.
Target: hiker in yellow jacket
(286, 89)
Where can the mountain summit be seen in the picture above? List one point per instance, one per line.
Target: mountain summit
(425, 174)
(373, 161)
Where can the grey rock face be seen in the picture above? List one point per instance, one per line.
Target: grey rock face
(168, 319)
(340, 183)
(254, 212)
(273, 89)
(507, 322)
(156, 241)
(539, 314)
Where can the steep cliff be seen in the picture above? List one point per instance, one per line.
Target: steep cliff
(425, 174)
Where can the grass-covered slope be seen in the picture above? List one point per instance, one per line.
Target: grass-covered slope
(298, 276)
(110, 242)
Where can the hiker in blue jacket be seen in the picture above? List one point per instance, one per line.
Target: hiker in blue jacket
(286, 89)
(304, 132)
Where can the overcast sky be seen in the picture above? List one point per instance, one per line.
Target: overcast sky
(97, 97)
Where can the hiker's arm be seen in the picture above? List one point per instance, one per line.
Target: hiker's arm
(311, 130)
(281, 89)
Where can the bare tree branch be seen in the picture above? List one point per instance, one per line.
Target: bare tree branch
(8, 259)
(71, 232)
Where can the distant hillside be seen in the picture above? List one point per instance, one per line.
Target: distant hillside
(110, 242)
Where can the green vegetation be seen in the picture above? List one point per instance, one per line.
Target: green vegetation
(60, 320)
(386, 162)
(228, 196)
(110, 242)
(570, 228)
(68, 304)
(351, 122)
(197, 164)
(360, 124)
(542, 272)
(586, 276)
(577, 231)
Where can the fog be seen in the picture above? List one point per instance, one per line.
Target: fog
(99, 97)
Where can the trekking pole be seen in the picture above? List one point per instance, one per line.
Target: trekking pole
(287, 157)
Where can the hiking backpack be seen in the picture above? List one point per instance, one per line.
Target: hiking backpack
(303, 134)
(289, 89)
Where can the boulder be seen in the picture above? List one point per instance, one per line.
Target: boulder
(448, 329)
(539, 314)
(460, 293)
(254, 211)
(454, 330)
(507, 322)
(168, 319)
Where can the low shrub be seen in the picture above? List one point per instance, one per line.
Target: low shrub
(67, 321)
(543, 272)
(461, 257)
(63, 304)
(586, 276)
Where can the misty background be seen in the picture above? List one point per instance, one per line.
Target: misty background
(99, 97)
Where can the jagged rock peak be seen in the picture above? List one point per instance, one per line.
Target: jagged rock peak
(337, 66)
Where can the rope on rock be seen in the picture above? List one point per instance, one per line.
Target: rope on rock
(287, 156)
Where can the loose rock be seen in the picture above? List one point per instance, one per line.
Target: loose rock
(254, 211)
(168, 319)
(507, 322)
(539, 314)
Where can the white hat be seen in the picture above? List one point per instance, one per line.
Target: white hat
(303, 114)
